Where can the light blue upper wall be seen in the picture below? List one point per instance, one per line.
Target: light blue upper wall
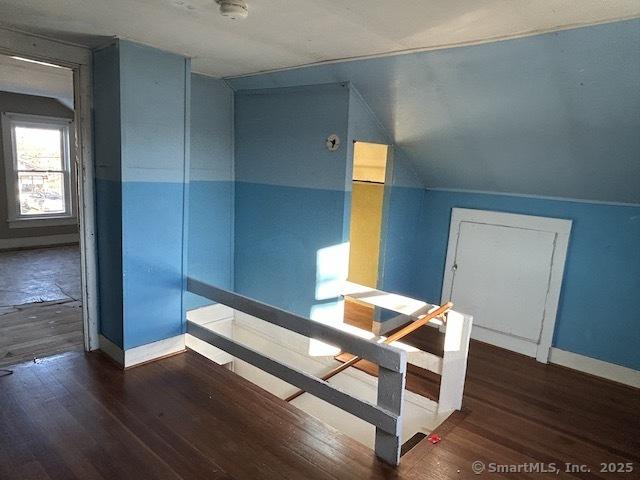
(140, 113)
(290, 192)
(556, 114)
(281, 133)
(154, 95)
(212, 142)
(153, 108)
(403, 203)
(362, 127)
(599, 305)
(211, 189)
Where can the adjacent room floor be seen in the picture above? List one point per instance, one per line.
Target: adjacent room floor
(40, 308)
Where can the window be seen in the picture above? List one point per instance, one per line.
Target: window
(38, 168)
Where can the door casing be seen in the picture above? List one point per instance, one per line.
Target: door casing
(78, 59)
(561, 228)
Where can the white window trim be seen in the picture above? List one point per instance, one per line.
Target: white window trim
(15, 218)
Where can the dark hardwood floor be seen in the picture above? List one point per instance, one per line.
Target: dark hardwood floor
(79, 416)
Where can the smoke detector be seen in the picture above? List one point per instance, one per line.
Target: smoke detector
(233, 9)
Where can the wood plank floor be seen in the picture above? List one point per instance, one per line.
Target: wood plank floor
(40, 329)
(78, 416)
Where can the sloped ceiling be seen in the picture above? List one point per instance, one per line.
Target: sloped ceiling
(286, 33)
(554, 115)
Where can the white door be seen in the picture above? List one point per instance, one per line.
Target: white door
(506, 271)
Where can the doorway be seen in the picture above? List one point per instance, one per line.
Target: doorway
(506, 270)
(366, 225)
(47, 262)
(367, 200)
(40, 286)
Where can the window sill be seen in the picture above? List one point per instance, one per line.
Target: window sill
(42, 222)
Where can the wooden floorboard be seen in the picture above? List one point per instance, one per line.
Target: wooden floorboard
(39, 330)
(79, 416)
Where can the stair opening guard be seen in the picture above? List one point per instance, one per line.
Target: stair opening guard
(385, 415)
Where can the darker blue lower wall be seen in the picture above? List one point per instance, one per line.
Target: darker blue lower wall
(279, 231)
(210, 242)
(599, 311)
(152, 261)
(109, 244)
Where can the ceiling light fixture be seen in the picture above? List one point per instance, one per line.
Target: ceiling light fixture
(233, 9)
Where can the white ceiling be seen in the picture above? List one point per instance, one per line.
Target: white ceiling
(287, 33)
(28, 78)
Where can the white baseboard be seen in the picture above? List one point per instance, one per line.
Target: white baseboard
(143, 353)
(44, 241)
(153, 351)
(111, 349)
(599, 368)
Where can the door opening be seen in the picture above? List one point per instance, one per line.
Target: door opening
(47, 237)
(366, 222)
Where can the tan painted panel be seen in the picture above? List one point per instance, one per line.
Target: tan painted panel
(369, 162)
(366, 223)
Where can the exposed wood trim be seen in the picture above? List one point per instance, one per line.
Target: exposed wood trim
(593, 366)
(383, 355)
(15, 42)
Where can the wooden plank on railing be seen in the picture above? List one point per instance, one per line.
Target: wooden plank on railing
(381, 418)
(385, 356)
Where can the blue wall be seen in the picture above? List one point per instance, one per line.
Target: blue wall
(153, 111)
(211, 189)
(403, 202)
(290, 192)
(292, 197)
(140, 113)
(599, 311)
(556, 114)
(106, 135)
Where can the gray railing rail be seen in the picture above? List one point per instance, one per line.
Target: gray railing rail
(386, 415)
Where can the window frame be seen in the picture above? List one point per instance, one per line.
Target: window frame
(16, 219)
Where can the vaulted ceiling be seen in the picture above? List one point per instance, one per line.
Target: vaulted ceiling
(286, 33)
(555, 115)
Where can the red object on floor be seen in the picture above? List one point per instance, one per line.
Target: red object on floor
(434, 438)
